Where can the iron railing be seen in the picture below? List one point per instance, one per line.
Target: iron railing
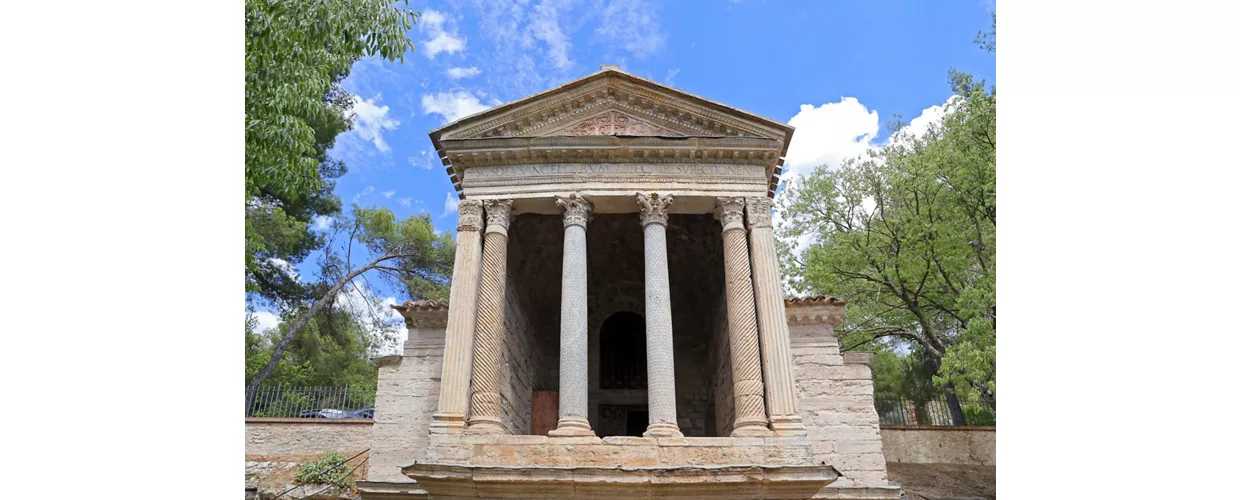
(939, 412)
(282, 401)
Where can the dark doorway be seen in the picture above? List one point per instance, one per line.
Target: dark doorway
(636, 423)
(622, 352)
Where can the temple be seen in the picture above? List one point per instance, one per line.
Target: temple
(617, 326)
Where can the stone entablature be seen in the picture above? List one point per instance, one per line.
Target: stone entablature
(612, 116)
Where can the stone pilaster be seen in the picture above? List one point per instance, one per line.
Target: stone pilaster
(574, 352)
(746, 362)
(484, 412)
(661, 373)
(772, 324)
(462, 317)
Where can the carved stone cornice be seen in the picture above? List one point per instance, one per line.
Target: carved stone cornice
(654, 208)
(467, 153)
(730, 212)
(470, 214)
(424, 314)
(499, 215)
(818, 310)
(759, 212)
(577, 210)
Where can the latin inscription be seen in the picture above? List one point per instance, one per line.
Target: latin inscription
(610, 169)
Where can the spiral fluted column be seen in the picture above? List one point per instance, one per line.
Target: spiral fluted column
(574, 353)
(747, 390)
(660, 370)
(781, 401)
(484, 412)
(462, 317)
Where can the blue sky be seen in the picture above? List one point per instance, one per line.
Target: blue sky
(837, 71)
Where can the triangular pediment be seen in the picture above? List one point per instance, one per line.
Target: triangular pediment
(612, 102)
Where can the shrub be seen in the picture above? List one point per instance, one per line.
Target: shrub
(330, 468)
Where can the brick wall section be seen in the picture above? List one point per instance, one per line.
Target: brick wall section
(939, 445)
(407, 395)
(721, 366)
(523, 359)
(286, 436)
(835, 398)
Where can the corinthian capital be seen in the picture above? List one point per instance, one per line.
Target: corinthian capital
(730, 212)
(499, 214)
(576, 210)
(470, 214)
(759, 210)
(654, 208)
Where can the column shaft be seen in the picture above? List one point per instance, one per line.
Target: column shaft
(747, 390)
(574, 351)
(462, 316)
(661, 372)
(484, 415)
(772, 324)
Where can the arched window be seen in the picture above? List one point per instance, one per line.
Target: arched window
(622, 352)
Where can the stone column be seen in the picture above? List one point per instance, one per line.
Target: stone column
(781, 401)
(462, 316)
(574, 351)
(484, 417)
(660, 371)
(742, 325)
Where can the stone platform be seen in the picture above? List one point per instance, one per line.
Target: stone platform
(505, 466)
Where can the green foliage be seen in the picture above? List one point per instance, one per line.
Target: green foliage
(409, 251)
(907, 234)
(332, 350)
(331, 468)
(297, 53)
(294, 50)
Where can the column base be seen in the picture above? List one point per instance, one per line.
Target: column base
(750, 429)
(663, 430)
(572, 426)
(488, 427)
(447, 423)
(788, 425)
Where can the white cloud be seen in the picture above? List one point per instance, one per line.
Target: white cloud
(365, 192)
(450, 204)
(829, 134)
(545, 25)
(285, 267)
(633, 25)
(424, 160)
(388, 194)
(370, 120)
(322, 222)
(459, 73)
(375, 314)
(266, 320)
(452, 104)
(671, 76)
(440, 40)
(406, 201)
(932, 115)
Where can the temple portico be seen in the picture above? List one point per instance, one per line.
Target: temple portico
(615, 255)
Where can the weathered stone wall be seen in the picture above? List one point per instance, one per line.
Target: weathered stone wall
(721, 367)
(523, 359)
(939, 445)
(290, 436)
(407, 395)
(835, 398)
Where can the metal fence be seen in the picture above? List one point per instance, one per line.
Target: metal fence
(281, 401)
(906, 411)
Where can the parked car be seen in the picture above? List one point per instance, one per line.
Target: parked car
(334, 413)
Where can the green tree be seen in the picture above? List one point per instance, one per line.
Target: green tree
(332, 350)
(407, 253)
(907, 234)
(296, 55)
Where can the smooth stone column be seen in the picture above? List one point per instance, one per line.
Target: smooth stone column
(781, 399)
(747, 383)
(462, 316)
(574, 351)
(484, 417)
(660, 371)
